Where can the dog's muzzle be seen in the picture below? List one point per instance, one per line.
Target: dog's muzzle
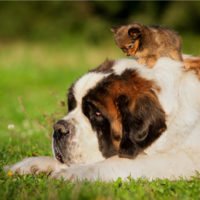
(62, 129)
(62, 136)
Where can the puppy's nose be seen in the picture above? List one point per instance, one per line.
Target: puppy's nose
(127, 54)
(61, 128)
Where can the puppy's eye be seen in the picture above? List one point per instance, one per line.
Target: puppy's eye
(130, 46)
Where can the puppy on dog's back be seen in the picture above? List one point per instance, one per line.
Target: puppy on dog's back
(148, 43)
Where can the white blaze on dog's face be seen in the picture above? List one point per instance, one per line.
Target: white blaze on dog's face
(108, 114)
(79, 144)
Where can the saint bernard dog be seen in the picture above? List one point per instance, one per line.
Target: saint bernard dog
(126, 120)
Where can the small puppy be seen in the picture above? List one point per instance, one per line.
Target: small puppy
(148, 43)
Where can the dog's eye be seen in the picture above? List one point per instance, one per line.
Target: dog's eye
(98, 114)
(98, 117)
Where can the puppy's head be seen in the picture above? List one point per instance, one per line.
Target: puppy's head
(128, 37)
(125, 113)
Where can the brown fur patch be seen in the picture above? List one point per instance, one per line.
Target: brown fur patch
(193, 64)
(130, 85)
(150, 61)
(34, 169)
(109, 108)
(125, 112)
(133, 50)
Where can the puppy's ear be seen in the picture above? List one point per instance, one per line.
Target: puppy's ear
(141, 126)
(134, 32)
(114, 29)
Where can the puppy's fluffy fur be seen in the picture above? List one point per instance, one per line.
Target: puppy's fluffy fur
(148, 43)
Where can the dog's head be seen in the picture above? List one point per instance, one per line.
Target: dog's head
(128, 37)
(108, 113)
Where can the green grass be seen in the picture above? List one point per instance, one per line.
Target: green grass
(34, 78)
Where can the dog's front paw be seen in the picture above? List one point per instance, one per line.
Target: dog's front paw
(76, 173)
(64, 174)
(36, 165)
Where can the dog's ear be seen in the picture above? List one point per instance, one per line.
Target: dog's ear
(134, 32)
(114, 29)
(141, 126)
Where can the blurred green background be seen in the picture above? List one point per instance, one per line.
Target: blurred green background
(45, 46)
(91, 20)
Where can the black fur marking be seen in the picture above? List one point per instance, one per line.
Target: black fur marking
(71, 99)
(105, 67)
(101, 125)
(127, 148)
(141, 127)
(135, 33)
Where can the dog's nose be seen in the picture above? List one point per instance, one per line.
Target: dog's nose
(61, 128)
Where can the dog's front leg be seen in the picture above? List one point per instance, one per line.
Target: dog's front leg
(106, 170)
(36, 165)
